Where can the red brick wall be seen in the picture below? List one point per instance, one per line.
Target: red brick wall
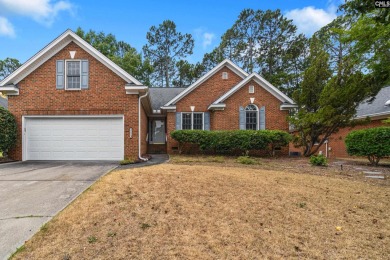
(106, 95)
(228, 119)
(336, 143)
(202, 97)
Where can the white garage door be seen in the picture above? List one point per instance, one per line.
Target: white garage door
(77, 138)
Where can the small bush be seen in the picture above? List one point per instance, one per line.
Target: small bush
(245, 160)
(8, 131)
(92, 239)
(319, 160)
(374, 143)
(126, 162)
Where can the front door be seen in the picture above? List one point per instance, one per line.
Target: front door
(157, 131)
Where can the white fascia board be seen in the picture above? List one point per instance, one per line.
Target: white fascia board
(206, 76)
(262, 82)
(10, 90)
(136, 89)
(287, 106)
(217, 107)
(168, 107)
(61, 41)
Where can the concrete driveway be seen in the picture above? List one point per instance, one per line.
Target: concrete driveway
(31, 193)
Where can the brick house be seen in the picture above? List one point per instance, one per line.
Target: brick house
(73, 103)
(377, 111)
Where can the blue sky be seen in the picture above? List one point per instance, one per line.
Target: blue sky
(26, 26)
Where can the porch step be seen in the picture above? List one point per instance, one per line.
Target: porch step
(157, 148)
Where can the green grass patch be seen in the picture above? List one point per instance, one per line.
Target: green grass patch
(126, 162)
(245, 160)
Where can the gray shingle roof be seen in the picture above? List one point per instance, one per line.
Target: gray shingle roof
(3, 102)
(377, 106)
(161, 96)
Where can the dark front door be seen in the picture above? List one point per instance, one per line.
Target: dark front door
(157, 131)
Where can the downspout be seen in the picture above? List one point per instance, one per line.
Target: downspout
(139, 127)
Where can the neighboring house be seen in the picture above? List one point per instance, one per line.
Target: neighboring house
(377, 111)
(73, 103)
(3, 102)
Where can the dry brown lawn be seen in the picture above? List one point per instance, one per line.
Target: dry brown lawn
(189, 210)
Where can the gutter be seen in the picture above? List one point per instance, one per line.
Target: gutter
(139, 127)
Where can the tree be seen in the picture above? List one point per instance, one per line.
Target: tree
(265, 42)
(306, 120)
(327, 101)
(8, 66)
(370, 33)
(165, 47)
(187, 73)
(120, 52)
(374, 143)
(8, 131)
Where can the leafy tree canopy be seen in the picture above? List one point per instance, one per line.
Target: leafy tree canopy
(122, 53)
(8, 66)
(165, 47)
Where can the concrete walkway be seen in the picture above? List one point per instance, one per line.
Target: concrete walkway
(156, 159)
(31, 193)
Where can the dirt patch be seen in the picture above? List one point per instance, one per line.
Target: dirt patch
(175, 211)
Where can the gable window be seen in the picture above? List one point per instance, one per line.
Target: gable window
(225, 75)
(192, 121)
(73, 74)
(251, 89)
(251, 117)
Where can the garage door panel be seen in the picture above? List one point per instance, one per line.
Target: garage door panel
(74, 138)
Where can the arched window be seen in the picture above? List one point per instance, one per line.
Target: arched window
(251, 117)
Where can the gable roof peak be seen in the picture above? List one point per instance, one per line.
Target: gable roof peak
(56, 45)
(226, 62)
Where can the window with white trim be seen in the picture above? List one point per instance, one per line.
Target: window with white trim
(225, 75)
(192, 121)
(251, 117)
(251, 89)
(73, 74)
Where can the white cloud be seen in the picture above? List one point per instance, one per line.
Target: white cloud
(6, 27)
(207, 39)
(42, 11)
(310, 19)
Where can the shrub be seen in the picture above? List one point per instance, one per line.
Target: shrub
(374, 143)
(126, 162)
(319, 160)
(245, 160)
(7, 131)
(278, 139)
(230, 141)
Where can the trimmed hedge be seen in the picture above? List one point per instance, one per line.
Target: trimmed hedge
(230, 141)
(7, 131)
(374, 143)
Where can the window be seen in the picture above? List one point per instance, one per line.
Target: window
(225, 75)
(198, 121)
(73, 75)
(251, 117)
(186, 121)
(251, 89)
(192, 121)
